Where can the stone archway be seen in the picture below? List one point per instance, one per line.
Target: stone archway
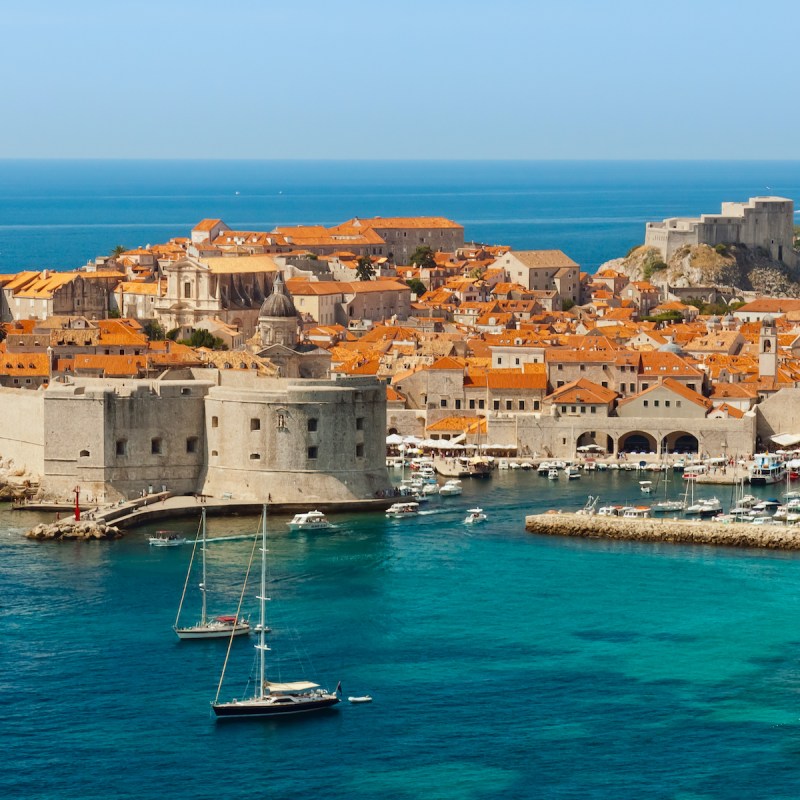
(637, 442)
(680, 442)
(593, 440)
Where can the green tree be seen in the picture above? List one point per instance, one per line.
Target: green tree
(417, 286)
(365, 271)
(567, 303)
(118, 251)
(476, 272)
(172, 335)
(203, 338)
(114, 313)
(423, 257)
(155, 331)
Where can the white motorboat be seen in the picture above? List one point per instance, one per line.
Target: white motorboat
(572, 473)
(645, 487)
(705, 507)
(207, 627)
(636, 512)
(401, 510)
(767, 468)
(364, 698)
(474, 516)
(166, 539)
(451, 488)
(431, 488)
(309, 521)
(552, 475)
(272, 699)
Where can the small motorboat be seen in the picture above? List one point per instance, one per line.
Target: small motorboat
(365, 698)
(451, 488)
(572, 473)
(474, 516)
(309, 521)
(552, 474)
(400, 510)
(166, 539)
(645, 487)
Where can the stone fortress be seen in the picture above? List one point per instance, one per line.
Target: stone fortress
(300, 437)
(762, 222)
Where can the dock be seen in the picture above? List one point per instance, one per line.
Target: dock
(671, 531)
(163, 506)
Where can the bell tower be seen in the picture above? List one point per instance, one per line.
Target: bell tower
(768, 348)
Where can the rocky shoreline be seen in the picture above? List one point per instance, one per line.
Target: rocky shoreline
(771, 537)
(70, 530)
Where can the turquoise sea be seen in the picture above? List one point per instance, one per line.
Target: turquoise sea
(58, 214)
(502, 664)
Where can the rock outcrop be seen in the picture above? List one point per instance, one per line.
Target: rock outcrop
(69, 529)
(700, 265)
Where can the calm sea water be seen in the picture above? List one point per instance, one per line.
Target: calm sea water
(58, 214)
(501, 664)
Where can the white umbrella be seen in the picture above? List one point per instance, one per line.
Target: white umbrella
(394, 438)
(428, 443)
(457, 446)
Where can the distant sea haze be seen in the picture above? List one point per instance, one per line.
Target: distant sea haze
(60, 214)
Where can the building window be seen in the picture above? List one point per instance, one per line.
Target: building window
(677, 404)
(214, 453)
(583, 367)
(312, 424)
(604, 384)
(499, 359)
(583, 409)
(496, 405)
(535, 405)
(667, 404)
(255, 424)
(255, 456)
(359, 450)
(472, 403)
(481, 404)
(443, 402)
(191, 444)
(122, 447)
(646, 403)
(458, 404)
(691, 386)
(184, 389)
(312, 452)
(155, 446)
(359, 423)
(563, 409)
(645, 386)
(84, 454)
(187, 289)
(593, 409)
(656, 403)
(509, 405)
(521, 405)
(215, 422)
(573, 409)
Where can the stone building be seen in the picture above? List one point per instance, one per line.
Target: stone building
(218, 432)
(762, 222)
(543, 271)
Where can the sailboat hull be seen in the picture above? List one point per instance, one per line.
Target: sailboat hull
(274, 706)
(212, 631)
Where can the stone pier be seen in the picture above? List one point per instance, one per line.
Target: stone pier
(772, 537)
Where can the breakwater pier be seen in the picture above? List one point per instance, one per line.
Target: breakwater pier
(674, 531)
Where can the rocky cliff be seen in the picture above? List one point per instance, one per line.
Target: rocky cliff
(700, 265)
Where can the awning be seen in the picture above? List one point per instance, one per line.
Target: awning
(297, 686)
(786, 439)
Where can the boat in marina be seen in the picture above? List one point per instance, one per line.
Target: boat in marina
(309, 521)
(364, 698)
(451, 488)
(475, 516)
(645, 487)
(636, 512)
(705, 507)
(552, 474)
(207, 627)
(166, 539)
(401, 510)
(766, 468)
(272, 699)
(572, 473)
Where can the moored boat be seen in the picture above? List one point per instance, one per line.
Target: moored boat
(451, 488)
(401, 510)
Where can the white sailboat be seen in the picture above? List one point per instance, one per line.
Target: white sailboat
(217, 627)
(272, 699)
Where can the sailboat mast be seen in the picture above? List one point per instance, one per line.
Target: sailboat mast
(203, 617)
(262, 645)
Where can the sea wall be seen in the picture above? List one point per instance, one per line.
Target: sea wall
(773, 537)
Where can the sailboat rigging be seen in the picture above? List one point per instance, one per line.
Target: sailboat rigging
(218, 627)
(272, 699)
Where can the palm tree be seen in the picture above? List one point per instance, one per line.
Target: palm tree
(118, 251)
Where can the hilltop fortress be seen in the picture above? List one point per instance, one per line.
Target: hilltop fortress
(762, 222)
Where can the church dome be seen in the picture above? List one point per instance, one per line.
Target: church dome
(279, 303)
(671, 347)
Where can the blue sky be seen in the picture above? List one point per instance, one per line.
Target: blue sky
(438, 79)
